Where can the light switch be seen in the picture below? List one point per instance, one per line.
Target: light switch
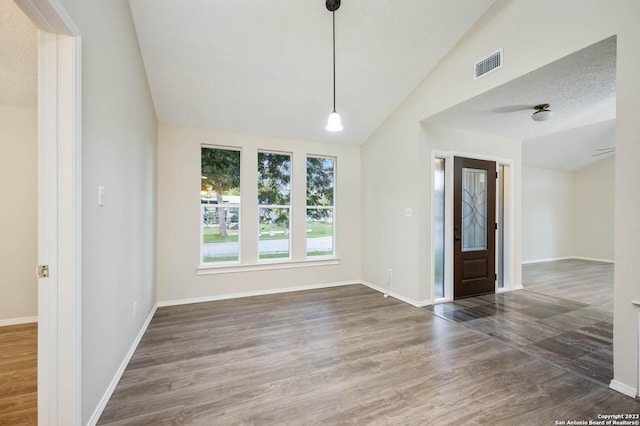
(408, 212)
(100, 195)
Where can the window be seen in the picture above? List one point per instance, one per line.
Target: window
(219, 205)
(274, 205)
(439, 225)
(320, 206)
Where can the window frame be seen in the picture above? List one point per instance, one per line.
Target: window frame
(289, 207)
(226, 263)
(332, 208)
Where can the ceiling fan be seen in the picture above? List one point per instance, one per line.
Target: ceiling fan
(542, 112)
(604, 151)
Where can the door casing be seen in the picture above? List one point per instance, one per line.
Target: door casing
(59, 212)
(509, 226)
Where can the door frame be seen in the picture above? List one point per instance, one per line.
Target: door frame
(509, 219)
(489, 284)
(59, 212)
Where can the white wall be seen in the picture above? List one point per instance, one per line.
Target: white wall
(119, 138)
(547, 214)
(568, 214)
(18, 213)
(179, 215)
(464, 143)
(593, 205)
(402, 168)
(531, 38)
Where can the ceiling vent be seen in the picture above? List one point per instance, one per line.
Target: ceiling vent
(488, 64)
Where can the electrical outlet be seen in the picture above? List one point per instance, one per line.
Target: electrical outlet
(390, 272)
(135, 309)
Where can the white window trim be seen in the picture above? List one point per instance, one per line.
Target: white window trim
(289, 258)
(232, 262)
(333, 207)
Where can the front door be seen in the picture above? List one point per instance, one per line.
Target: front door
(474, 222)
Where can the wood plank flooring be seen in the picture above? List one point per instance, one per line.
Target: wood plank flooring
(572, 335)
(343, 355)
(18, 374)
(578, 280)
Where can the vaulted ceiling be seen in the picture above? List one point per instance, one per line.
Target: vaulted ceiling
(264, 67)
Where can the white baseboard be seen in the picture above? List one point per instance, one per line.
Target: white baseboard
(623, 389)
(592, 259)
(252, 293)
(416, 303)
(123, 366)
(17, 321)
(551, 259)
(554, 259)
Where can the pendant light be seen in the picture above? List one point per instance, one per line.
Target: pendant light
(334, 124)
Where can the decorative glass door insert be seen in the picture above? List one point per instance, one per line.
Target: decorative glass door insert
(474, 209)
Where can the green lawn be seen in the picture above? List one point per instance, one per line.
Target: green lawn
(262, 256)
(212, 235)
(279, 232)
(273, 255)
(317, 229)
(320, 229)
(319, 253)
(207, 259)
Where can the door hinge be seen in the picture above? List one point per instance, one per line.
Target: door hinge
(496, 277)
(496, 225)
(43, 271)
(496, 175)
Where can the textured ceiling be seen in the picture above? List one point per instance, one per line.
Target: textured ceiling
(18, 57)
(571, 149)
(265, 67)
(581, 89)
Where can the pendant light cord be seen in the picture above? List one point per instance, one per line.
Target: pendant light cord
(333, 14)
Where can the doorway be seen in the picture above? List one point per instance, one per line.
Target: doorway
(59, 212)
(499, 176)
(474, 227)
(18, 216)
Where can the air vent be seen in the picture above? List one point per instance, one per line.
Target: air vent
(488, 64)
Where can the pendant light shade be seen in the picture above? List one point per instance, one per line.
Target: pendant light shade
(335, 123)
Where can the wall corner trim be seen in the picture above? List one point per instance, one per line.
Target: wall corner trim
(623, 388)
(123, 366)
(408, 300)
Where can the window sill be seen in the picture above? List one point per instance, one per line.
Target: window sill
(266, 266)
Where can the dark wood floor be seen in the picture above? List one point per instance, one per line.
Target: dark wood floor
(18, 374)
(344, 355)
